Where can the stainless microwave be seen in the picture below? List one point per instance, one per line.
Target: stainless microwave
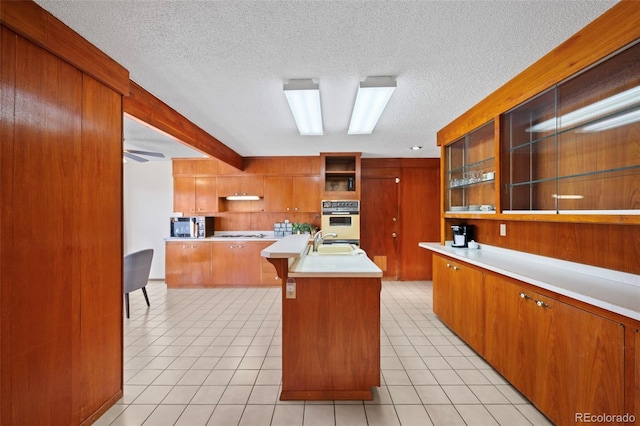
(192, 227)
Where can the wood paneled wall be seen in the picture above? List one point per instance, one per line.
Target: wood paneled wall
(60, 223)
(604, 245)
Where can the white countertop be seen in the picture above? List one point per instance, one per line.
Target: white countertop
(233, 236)
(295, 246)
(355, 266)
(614, 291)
(287, 247)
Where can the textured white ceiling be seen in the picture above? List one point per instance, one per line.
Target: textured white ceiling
(222, 64)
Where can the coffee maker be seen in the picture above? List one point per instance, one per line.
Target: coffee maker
(462, 234)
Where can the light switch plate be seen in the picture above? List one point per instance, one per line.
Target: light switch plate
(290, 289)
(503, 229)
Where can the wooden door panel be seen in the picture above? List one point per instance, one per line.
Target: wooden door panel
(379, 216)
(7, 120)
(44, 283)
(100, 222)
(420, 214)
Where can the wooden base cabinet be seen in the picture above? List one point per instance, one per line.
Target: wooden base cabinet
(236, 263)
(331, 339)
(196, 264)
(566, 360)
(188, 264)
(458, 299)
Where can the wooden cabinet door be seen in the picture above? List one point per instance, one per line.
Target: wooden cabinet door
(564, 359)
(467, 298)
(184, 195)
(292, 194)
(206, 195)
(277, 194)
(306, 193)
(442, 290)
(458, 299)
(240, 185)
(188, 264)
(579, 361)
(509, 321)
(195, 195)
(236, 263)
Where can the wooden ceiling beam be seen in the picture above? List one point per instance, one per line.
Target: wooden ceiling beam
(145, 107)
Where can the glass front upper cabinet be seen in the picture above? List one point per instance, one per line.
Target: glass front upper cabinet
(576, 147)
(470, 173)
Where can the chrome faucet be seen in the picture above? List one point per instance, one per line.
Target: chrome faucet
(318, 237)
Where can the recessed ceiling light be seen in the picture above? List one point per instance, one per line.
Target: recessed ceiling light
(416, 147)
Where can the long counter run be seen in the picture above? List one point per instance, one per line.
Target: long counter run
(330, 320)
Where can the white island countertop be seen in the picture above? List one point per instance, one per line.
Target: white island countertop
(294, 247)
(291, 246)
(615, 291)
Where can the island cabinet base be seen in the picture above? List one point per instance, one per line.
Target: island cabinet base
(331, 339)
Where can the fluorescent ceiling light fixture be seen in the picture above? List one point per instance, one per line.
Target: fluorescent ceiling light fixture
(243, 197)
(372, 98)
(611, 104)
(612, 123)
(304, 100)
(416, 147)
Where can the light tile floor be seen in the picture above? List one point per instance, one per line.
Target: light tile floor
(213, 357)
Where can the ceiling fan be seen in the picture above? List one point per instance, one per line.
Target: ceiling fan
(135, 155)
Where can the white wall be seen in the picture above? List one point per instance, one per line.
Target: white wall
(148, 204)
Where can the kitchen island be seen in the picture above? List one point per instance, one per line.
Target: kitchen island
(330, 322)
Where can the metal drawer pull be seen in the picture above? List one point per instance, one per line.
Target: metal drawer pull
(455, 268)
(542, 304)
(525, 296)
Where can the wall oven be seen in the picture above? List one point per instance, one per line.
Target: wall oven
(341, 217)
